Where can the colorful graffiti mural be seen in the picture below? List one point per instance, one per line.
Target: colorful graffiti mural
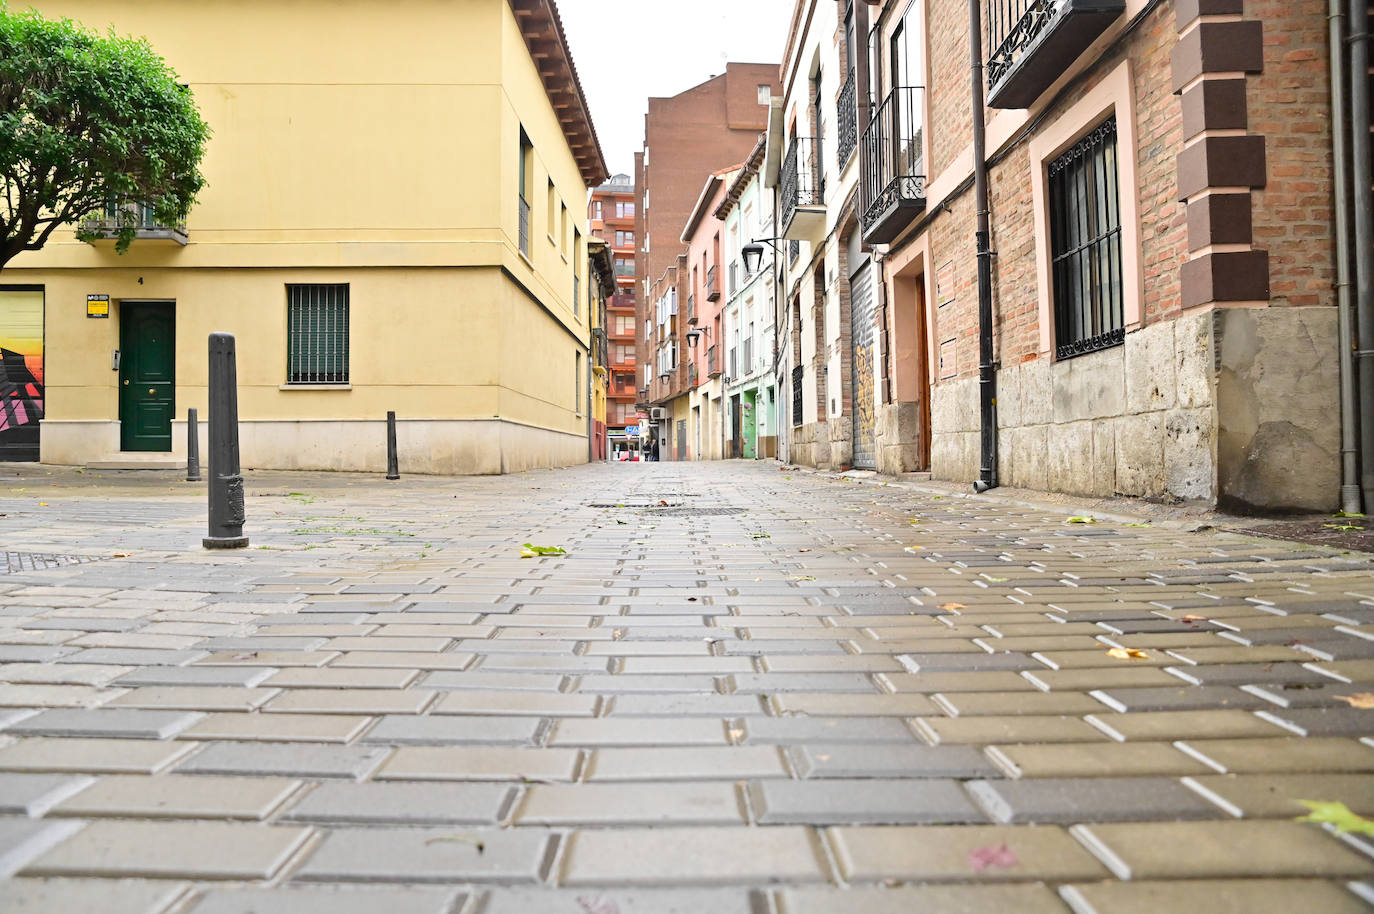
(21, 373)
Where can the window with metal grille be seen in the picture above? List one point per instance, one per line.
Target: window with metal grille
(1085, 245)
(317, 334)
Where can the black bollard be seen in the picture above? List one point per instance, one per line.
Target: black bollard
(226, 482)
(393, 470)
(192, 447)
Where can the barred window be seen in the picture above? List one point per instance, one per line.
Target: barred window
(1085, 238)
(317, 334)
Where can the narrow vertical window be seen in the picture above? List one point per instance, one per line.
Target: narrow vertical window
(317, 334)
(526, 191)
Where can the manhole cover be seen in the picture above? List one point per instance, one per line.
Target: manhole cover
(16, 562)
(693, 512)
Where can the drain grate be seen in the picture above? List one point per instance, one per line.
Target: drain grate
(16, 562)
(628, 504)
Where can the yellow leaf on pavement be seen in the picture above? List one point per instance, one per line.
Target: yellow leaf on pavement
(1127, 653)
(1363, 700)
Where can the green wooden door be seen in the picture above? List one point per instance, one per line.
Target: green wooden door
(147, 375)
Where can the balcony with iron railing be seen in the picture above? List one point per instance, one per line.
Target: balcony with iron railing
(139, 217)
(847, 121)
(801, 190)
(713, 360)
(691, 307)
(893, 185)
(1031, 43)
(712, 288)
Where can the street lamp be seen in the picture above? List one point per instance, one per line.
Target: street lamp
(753, 254)
(694, 336)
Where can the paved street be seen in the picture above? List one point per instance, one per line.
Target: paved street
(742, 690)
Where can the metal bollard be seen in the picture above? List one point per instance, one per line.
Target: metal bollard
(192, 447)
(393, 470)
(226, 482)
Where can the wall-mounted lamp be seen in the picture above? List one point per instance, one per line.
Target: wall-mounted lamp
(753, 253)
(694, 336)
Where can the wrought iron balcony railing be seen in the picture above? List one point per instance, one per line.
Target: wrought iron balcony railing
(138, 216)
(802, 182)
(846, 121)
(893, 179)
(1032, 43)
(713, 361)
(712, 289)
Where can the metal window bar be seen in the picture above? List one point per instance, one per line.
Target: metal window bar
(317, 323)
(846, 120)
(1085, 232)
(798, 375)
(893, 166)
(712, 291)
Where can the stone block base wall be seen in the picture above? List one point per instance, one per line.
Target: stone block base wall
(897, 438)
(1236, 407)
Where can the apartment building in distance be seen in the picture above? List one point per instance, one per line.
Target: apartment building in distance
(611, 217)
(433, 263)
(687, 137)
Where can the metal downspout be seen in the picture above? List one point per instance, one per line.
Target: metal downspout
(1350, 424)
(987, 369)
(1364, 232)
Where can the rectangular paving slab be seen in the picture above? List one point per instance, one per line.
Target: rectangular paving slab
(1070, 800)
(400, 803)
(702, 803)
(881, 801)
(430, 855)
(120, 723)
(962, 853)
(304, 760)
(307, 899)
(691, 857)
(1215, 896)
(175, 796)
(108, 896)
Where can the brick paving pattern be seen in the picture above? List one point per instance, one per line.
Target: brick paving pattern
(779, 692)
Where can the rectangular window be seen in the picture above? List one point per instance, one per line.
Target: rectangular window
(577, 382)
(563, 228)
(765, 92)
(596, 209)
(551, 216)
(1085, 245)
(624, 239)
(625, 209)
(526, 191)
(317, 334)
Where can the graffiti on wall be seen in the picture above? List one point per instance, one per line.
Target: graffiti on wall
(21, 373)
(863, 389)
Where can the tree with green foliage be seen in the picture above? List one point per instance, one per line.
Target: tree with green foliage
(90, 126)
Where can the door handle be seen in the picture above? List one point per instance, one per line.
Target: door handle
(151, 391)
(126, 383)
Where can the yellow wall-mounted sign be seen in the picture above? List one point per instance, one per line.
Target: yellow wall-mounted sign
(98, 306)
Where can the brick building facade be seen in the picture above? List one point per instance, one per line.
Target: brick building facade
(611, 217)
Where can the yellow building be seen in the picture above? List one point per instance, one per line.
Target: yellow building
(394, 220)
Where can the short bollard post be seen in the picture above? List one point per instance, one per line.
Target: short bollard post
(393, 470)
(192, 447)
(226, 482)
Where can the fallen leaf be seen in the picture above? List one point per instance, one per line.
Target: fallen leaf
(1081, 519)
(1192, 618)
(1344, 526)
(803, 577)
(248, 656)
(999, 855)
(799, 550)
(1337, 814)
(1347, 514)
(529, 551)
(952, 606)
(912, 549)
(42, 504)
(117, 555)
(761, 536)
(465, 839)
(691, 599)
(1362, 700)
(995, 580)
(736, 735)
(662, 503)
(1127, 653)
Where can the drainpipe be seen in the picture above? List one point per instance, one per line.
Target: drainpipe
(987, 369)
(1350, 475)
(1364, 233)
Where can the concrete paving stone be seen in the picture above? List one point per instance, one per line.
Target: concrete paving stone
(331, 678)
(1203, 656)
(1033, 702)
(708, 666)
(175, 796)
(620, 901)
(331, 900)
(479, 679)
(546, 663)
(400, 729)
(84, 625)
(242, 677)
(308, 728)
(821, 704)
(1244, 849)
(127, 656)
(288, 619)
(648, 649)
(135, 641)
(1281, 755)
(405, 660)
(301, 760)
(33, 794)
(21, 840)
(430, 855)
(17, 636)
(829, 663)
(793, 730)
(636, 732)
(1344, 670)
(1215, 896)
(647, 684)
(1014, 729)
(685, 704)
(350, 701)
(94, 755)
(1096, 678)
(890, 761)
(700, 803)
(401, 803)
(55, 696)
(883, 801)
(61, 674)
(300, 628)
(926, 899)
(692, 856)
(108, 896)
(550, 620)
(947, 853)
(512, 703)
(1265, 796)
(194, 698)
(173, 850)
(1100, 659)
(999, 681)
(1172, 725)
(1238, 674)
(268, 658)
(1339, 721)
(267, 643)
(380, 643)
(770, 683)
(972, 661)
(685, 764)
(35, 653)
(1089, 760)
(1069, 800)
(123, 723)
(482, 763)
(807, 646)
(517, 645)
(1177, 697)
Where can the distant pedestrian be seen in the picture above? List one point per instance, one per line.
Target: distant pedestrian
(653, 450)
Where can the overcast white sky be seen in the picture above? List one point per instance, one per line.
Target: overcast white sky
(629, 50)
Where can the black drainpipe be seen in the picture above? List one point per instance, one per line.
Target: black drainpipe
(1358, 36)
(987, 368)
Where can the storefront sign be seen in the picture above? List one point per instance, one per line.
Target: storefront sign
(98, 306)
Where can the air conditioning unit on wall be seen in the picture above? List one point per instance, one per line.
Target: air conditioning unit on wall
(657, 413)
